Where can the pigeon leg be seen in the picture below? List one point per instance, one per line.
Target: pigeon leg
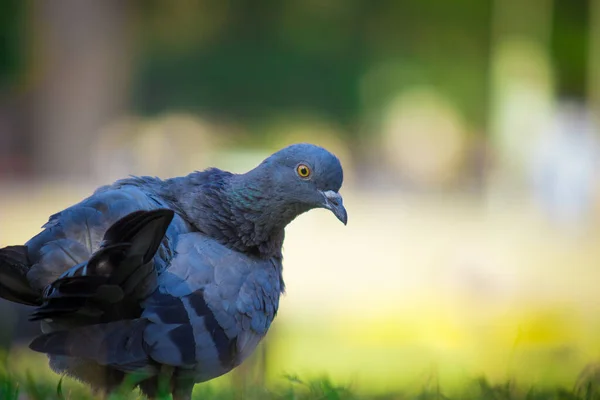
(182, 396)
(100, 394)
(182, 389)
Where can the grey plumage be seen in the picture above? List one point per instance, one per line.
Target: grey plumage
(181, 275)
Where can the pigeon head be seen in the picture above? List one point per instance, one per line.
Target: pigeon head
(249, 212)
(302, 177)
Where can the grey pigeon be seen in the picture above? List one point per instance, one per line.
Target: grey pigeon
(174, 280)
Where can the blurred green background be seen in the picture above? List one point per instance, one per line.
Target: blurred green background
(468, 131)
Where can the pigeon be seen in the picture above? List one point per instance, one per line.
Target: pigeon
(174, 281)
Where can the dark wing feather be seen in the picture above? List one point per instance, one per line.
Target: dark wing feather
(73, 235)
(117, 276)
(14, 265)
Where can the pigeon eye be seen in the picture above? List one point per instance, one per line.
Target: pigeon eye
(303, 171)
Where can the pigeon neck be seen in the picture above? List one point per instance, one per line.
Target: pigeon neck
(260, 215)
(240, 211)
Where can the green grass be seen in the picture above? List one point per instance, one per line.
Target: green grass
(26, 376)
(17, 386)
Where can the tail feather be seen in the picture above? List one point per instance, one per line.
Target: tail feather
(119, 343)
(116, 277)
(60, 307)
(14, 264)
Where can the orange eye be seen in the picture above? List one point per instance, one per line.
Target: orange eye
(303, 171)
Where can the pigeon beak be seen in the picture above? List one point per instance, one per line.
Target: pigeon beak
(334, 203)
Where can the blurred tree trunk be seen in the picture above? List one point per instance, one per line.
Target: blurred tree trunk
(81, 57)
(594, 60)
(12, 55)
(521, 84)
